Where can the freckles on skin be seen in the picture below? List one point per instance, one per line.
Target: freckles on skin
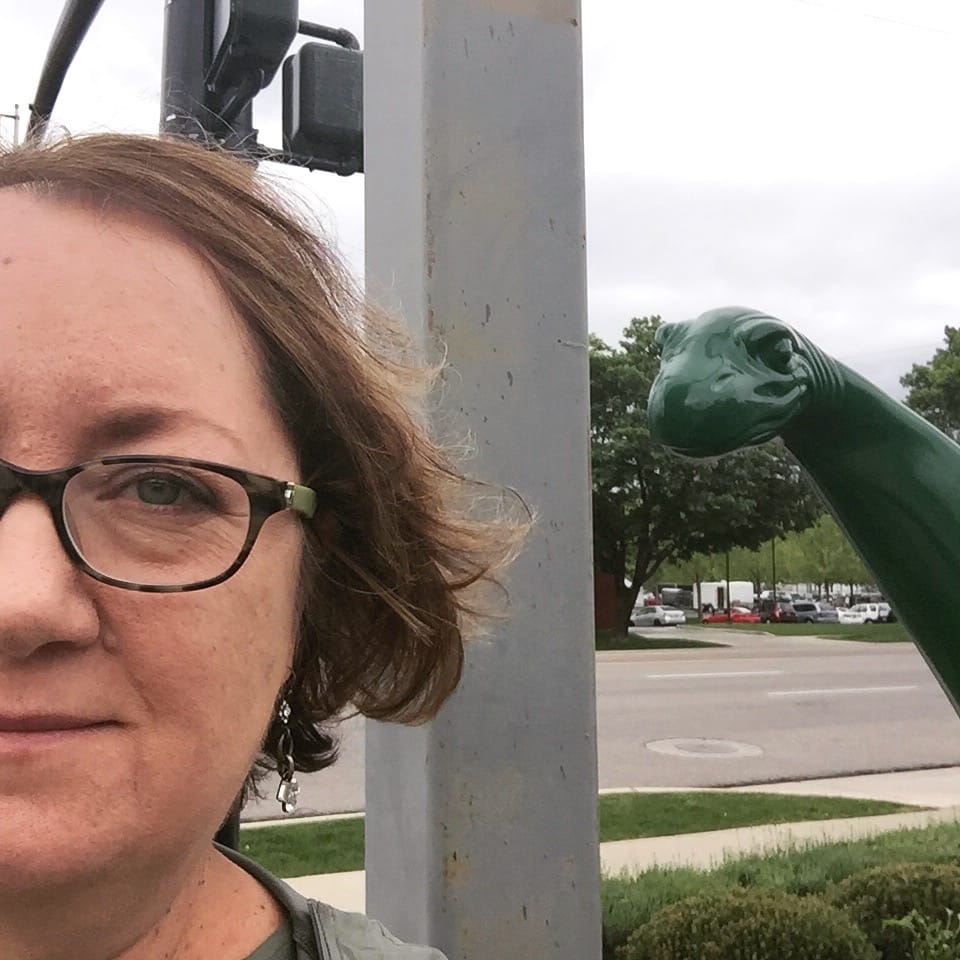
(131, 321)
(211, 680)
(101, 313)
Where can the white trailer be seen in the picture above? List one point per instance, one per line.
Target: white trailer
(714, 592)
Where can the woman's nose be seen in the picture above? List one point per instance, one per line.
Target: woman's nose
(43, 597)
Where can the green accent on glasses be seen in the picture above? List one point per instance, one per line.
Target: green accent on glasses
(157, 524)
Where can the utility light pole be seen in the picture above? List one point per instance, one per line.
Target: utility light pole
(729, 608)
(773, 565)
(15, 117)
(482, 825)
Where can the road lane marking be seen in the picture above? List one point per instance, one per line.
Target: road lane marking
(729, 673)
(841, 690)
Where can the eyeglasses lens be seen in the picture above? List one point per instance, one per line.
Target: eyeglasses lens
(156, 524)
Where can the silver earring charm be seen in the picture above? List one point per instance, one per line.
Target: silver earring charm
(289, 789)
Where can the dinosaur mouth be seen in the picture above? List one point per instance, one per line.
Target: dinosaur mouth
(687, 424)
(716, 447)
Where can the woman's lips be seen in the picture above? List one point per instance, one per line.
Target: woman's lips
(47, 723)
(23, 735)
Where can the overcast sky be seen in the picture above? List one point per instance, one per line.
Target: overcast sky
(798, 156)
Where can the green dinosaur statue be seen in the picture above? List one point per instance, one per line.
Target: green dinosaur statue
(736, 377)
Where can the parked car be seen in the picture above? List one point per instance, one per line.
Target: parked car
(872, 612)
(814, 611)
(737, 615)
(827, 613)
(776, 611)
(807, 611)
(659, 616)
(849, 615)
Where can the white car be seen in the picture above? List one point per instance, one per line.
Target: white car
(658, 616)
(850, 615)
(872, 612)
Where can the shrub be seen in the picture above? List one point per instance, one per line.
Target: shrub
(629, 902)
(892, 892)
(932, 939)
(748, 925)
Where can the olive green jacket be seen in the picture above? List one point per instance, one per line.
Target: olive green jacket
(322, 933)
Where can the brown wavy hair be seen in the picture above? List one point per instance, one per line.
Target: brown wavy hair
(392, 561)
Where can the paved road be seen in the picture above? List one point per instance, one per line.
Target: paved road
(766, 708)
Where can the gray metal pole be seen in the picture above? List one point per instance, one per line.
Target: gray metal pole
(15, 117)
(481, 827)
(186, 56)
(773, 565)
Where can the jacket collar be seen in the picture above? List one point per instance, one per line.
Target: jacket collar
(311, 940)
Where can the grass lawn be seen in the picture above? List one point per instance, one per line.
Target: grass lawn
(337, 845)
(660, 639)
(625, 816)
(865, 632)
(630, 902)
(300, 849)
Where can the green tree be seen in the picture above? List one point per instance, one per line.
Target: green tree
(652, 507)
(751, 564)
(822, 554)
(934, 387)
(694, 571)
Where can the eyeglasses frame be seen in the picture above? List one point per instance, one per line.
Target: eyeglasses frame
(266, 496)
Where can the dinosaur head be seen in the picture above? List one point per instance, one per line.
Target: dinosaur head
(731, 378)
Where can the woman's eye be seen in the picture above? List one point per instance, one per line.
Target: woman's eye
(159, 491)
(169, 490)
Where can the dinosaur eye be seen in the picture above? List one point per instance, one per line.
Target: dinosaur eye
(776, 352)
(669, 332)
(659, 338)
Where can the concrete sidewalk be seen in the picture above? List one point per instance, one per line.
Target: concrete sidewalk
(938, 789)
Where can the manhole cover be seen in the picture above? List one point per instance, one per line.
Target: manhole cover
(706, 749)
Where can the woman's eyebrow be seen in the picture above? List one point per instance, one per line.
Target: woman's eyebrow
(121, 427)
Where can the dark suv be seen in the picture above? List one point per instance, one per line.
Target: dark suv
(777, 611)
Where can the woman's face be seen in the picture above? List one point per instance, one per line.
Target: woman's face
(114, 339)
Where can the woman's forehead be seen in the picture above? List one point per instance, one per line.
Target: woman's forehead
(60, 259)
(101, 312)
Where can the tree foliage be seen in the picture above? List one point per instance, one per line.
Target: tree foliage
(934, 387)
(822, 554)
(651, 506)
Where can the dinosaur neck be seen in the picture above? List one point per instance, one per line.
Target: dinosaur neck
(827, 375)
(890, 480)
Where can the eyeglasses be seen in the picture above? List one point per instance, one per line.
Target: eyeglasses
(157, 524)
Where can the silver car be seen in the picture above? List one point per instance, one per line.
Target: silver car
(813, 611)
(661, 616)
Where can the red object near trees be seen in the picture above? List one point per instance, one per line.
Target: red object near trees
(737, 615)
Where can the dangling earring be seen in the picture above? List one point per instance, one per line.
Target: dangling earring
(289, 789)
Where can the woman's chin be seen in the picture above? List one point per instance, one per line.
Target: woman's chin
(62, 839)
(48, 855)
